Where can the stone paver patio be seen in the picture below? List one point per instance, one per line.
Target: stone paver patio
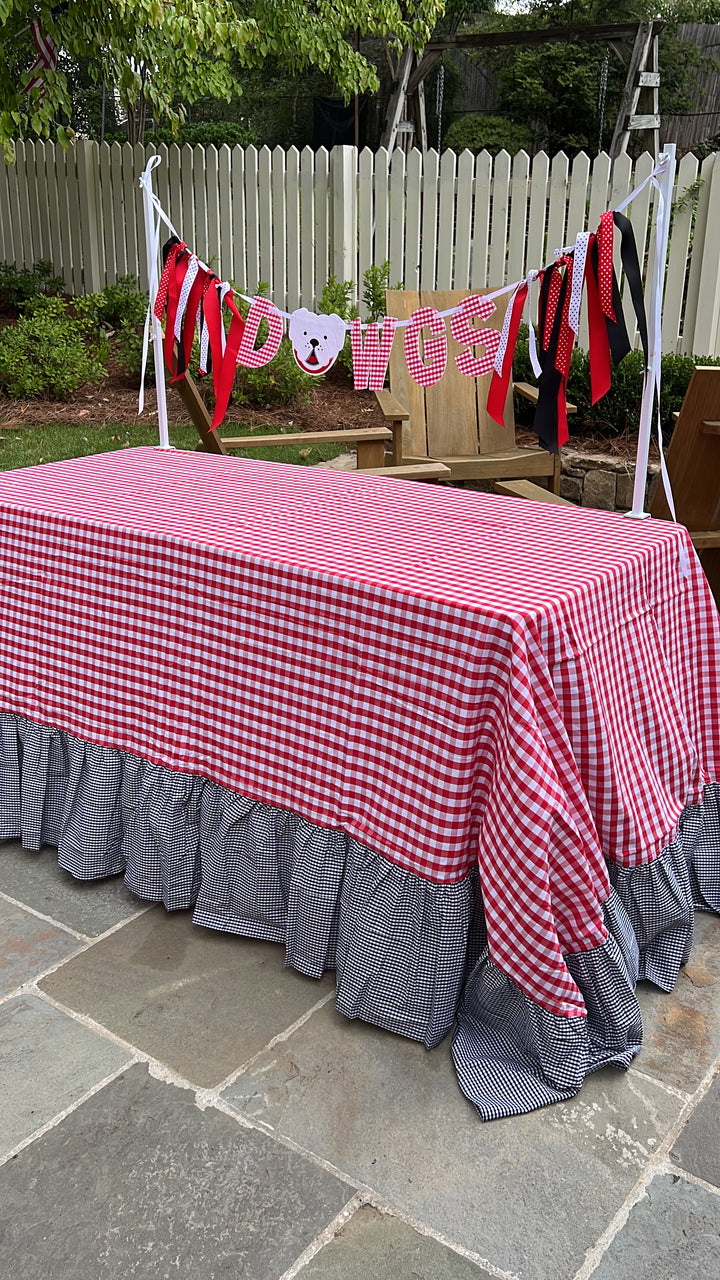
(176, 1103)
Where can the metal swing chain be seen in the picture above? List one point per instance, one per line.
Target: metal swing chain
(439, 92)
(602, 91)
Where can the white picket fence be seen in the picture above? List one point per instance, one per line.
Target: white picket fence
(293, 218)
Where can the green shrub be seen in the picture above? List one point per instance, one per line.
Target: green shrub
(128, 343)
(487, 133)
(120, 308)
(279, 382)
(49, 353)
(375, 281)
(18, 286)
(336, 298)
(115, 306)
(208, 133)
(618, 412)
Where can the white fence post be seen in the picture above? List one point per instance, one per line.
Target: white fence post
(458, 223)
(343, 213)
(88, 178)
(706, 338)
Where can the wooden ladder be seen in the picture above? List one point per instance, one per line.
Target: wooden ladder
(643, 79)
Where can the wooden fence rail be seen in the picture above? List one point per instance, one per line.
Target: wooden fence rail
(293, 218)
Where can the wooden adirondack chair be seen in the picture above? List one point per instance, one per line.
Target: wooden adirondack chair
(370, 442)
(693, 463)
(449, 422)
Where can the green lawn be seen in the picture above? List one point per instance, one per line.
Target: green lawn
(25, 446)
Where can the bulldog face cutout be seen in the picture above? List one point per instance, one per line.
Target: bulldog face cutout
(316, 340)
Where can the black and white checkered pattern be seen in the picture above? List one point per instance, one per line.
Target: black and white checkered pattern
(700, 835)
(402, 945)
(512, 1056)
(658, 900)
(660, 897)
(268, 873)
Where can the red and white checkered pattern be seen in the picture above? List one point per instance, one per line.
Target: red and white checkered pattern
(429, 370)
(469, 336)
(445, 675)
(248, 355)
(371, 356)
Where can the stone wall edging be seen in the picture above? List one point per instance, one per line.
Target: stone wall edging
(601, 480)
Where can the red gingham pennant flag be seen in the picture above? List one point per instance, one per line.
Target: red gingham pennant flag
(372, 356)
(46, 60)
(435, 348)
(468, 336)
(250, 356)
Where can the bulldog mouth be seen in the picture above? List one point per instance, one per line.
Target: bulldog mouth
(311, 363)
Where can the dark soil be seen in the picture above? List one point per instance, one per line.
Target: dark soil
(334, 405)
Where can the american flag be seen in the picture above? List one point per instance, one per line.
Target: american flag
(46, 60)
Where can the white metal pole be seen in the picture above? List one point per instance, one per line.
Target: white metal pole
(151, 249)
(651, 383)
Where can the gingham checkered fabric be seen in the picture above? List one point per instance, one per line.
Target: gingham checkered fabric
(371, 353)
(397, 941)
(402, 946)
(444, 676)
(465, 332)
(511, 1056)
(428, 368)
(700, 835)
(659, 903)
(249, 355)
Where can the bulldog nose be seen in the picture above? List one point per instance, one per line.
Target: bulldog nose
(314, 342)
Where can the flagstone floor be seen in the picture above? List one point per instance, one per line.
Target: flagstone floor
(174, 1103)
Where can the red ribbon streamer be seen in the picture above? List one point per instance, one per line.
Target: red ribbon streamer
(223, 381)
(500, 382)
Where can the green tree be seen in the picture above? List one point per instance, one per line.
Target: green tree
(560, 90)
(161, 54)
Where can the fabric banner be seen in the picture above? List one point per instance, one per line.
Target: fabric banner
(191, 299)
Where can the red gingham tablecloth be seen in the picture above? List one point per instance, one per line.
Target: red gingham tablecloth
(445, 675)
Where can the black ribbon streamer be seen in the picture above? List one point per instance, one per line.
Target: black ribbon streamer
(545, 424)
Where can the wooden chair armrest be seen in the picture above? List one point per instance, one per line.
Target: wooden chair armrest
(529, 392)
(412, 471)
(363, 434)
(390, 407)
(533, 492)
(705, 540)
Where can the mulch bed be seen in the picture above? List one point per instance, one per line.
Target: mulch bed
(334, 405)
